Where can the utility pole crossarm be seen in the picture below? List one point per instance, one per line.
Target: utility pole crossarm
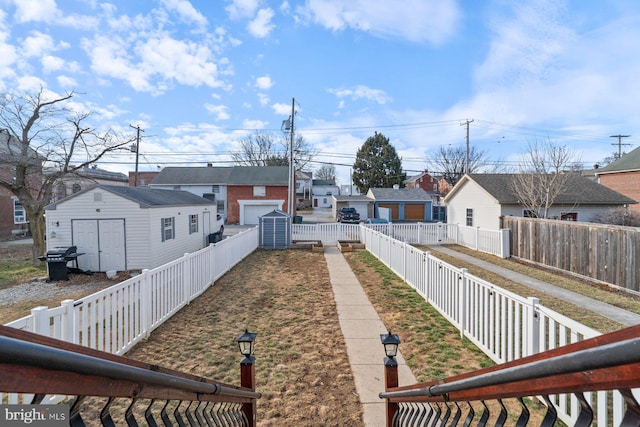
(619, 143)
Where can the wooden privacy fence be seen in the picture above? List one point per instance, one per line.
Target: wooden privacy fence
(502, 324)
(602, 252)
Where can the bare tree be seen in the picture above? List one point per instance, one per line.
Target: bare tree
(264, 149)
(545, 171)
(451, 162)
(325, 172)
(41, 130)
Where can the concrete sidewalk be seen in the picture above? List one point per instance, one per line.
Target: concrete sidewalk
(620, 315)
(361, 327)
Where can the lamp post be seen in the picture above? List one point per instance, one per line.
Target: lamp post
(390, 342)
(248, 373)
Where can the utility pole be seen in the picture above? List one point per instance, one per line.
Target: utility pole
(466, 163)
(292, 169)
(620, 144)
(135, 176)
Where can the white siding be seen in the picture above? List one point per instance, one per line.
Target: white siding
(143, 240)
(486, 210)
(585, 213)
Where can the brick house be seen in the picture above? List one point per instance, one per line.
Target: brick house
(144, 178)
(84, 178)
(623, 176)
(253, 191)
(13, 219)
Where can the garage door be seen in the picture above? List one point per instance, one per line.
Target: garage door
(395, 211)
(252, 213)
(414, 212)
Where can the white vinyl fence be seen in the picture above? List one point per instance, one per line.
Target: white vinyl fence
(116, 318)
(495, 242)
(504, 325)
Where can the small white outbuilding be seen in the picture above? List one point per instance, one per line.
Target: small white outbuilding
(129, 228)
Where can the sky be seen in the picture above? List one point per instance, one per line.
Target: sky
(198, 76)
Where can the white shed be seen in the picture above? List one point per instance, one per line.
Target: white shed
(130, 228)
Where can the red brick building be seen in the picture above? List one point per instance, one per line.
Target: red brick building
(623, 176)
(254, 191)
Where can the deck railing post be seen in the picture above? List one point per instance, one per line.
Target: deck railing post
(390, 380)
(248, 380)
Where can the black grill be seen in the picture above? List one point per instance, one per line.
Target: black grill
(57, 259)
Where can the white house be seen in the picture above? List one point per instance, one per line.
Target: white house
(130, 228)
(323, 190)
(208, 182)
(479, 200)
(362, 204)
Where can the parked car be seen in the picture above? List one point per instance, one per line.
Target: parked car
(219, 224)
(376, 221)
(348, 215)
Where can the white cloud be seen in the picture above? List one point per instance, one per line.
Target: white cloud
(36, 10)
(261, 25)
(526, 46)
(264, 83)
(30, 84)
(220, 111)
(37, 44)
(240, 9)
(363, 92)
(186, 11)
(52, 63)
(154, 63)
(254, 124)
(263, 98)
(281, 109)
(432, 21)
(66, 82)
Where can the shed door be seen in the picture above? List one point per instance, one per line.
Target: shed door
(102, 242)
(395, 211)
(414, 212)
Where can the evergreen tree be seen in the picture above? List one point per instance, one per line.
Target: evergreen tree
(377, 165)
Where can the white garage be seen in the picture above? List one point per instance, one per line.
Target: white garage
(252, 210)
(129, 228)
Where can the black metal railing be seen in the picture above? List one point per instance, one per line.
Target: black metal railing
(605, 363)
(33, 364)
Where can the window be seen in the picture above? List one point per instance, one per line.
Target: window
(19, 214)
(220, 206)
(528, 213)
(569, 216)
(215, 188)
(61, 191)
(469, 217)
(259, 191)
(193, 224)
(167, 228)
(76, 188)
(435, 187)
